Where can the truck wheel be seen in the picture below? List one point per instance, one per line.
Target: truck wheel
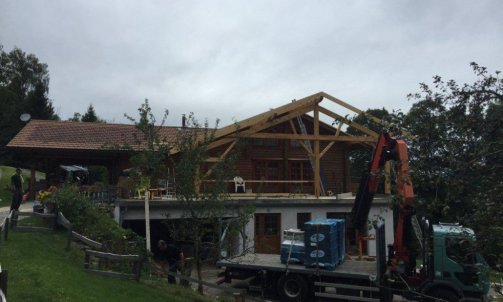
(443, 295)
(293, 288)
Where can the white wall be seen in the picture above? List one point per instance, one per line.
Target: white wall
(379, 211)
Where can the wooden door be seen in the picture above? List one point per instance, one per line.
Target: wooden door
(267, 233)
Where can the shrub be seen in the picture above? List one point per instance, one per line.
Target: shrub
(90, 221)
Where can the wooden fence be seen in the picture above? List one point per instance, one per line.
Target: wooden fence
(4, 228)
(55, 219)
(135, 260)
(49, 216)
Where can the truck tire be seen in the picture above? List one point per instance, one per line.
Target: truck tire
(442, 294)
(293, 288)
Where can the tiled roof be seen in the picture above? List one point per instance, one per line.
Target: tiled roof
(46, 134)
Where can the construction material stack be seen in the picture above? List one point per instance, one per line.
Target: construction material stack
(292, 247)
(324, 243)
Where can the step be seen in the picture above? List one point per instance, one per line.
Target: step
(348, 286)
(348, 298)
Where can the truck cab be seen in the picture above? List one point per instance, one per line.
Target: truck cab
(457, 266)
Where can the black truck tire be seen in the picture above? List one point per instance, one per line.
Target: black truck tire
(443, 294)
(293, 287)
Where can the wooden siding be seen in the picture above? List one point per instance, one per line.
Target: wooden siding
(278, 156)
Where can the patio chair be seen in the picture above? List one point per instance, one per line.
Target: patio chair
(239, 183)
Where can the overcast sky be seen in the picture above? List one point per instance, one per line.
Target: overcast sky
(234, 59)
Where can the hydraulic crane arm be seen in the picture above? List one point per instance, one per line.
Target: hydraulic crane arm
(387, 149)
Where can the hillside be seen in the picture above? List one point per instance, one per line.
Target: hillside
(41, 270)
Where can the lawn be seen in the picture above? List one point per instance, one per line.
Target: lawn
(40, 269)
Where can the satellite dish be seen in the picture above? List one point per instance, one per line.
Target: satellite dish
(25, 117)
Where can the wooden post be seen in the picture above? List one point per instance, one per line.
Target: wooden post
(238, 297)
(6, 226)
(316, 152)
(137, 269)
(87, 260)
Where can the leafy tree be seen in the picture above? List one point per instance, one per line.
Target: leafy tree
(204, 209)
(151, 155)
(76, 117)
(21, 73)
(24, 84)
(360, 157)
(456, 155)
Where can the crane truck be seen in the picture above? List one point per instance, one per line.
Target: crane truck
(451, 270)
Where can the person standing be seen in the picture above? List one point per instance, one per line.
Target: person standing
(172, 259)
(16, 186)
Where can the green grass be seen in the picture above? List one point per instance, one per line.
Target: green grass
(40, 269)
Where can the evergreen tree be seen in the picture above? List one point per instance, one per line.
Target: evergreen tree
(90, 115)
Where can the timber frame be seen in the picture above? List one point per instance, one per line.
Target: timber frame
(256, 128)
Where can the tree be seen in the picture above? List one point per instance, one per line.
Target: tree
(24, 84)
(149, 163)
(360, 157)
(39, 104)
(76, 117)
(457, 153)
(90, 115)
(204, 210)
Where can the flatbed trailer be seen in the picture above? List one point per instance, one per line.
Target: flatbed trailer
(351, 280)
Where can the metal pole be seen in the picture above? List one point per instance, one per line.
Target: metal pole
(147, 220)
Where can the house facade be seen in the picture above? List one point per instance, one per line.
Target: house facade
(294, 165)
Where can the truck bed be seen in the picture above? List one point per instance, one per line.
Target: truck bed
(349, 268)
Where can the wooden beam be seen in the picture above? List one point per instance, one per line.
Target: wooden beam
(316, 151)
(339, 129)
(356, 110)
(349, 123)
(262, 126)
(222, 156)
(331, 138)
(271, 114)
(326, 149)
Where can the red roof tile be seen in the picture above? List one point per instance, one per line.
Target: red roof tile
(81, 136)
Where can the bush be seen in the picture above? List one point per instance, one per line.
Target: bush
(90, 221)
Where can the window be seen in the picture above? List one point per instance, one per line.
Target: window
(301, 170)
(460, 249)
(301, 219)
(267, 170)
(271, 226)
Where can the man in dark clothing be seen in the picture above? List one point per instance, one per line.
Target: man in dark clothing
(171, 258)
(16, 186)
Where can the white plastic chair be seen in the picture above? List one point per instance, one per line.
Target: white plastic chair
(239, 183)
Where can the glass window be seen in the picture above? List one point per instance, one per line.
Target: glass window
(271, 225)
(460, 249)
